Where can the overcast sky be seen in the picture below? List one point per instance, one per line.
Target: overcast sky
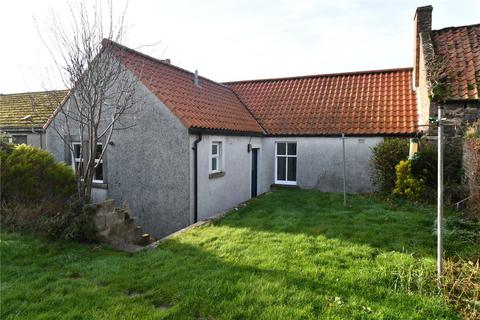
(235, 40)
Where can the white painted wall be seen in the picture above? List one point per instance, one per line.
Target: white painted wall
(216, 195)
(319, 162)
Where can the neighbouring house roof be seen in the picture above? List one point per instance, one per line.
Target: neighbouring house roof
(460, 46)
(209, 105)
(29, 109)
(380, 102)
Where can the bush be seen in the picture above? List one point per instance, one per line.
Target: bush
(424, 166)
(407, 185)
(32, 176)
(74, 221)
(472, 173)
(386, 155)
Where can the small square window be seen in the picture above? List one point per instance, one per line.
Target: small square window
(19, 139)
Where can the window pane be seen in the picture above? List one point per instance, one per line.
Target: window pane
(99, 172)
(214, 164)
(292, 149)
(281, 167)
(281, 148)
(99, 151)
(76, 148)
(292, 169)
(214, 149)
(19, 139)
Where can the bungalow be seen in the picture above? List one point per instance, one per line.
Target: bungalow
(23, 115)
(201, 147)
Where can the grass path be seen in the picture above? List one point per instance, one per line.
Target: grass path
(291, 254)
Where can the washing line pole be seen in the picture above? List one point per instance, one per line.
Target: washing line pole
(344, 172)
(440, 199)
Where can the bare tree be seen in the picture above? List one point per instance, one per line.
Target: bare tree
(102, 91)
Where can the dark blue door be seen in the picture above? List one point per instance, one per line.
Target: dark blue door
(254, 172)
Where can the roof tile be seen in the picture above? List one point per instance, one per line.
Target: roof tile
(461, 47)
(207, 106)
(39, 105)
(371, 102)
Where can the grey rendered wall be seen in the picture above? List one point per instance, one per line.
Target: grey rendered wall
(147, 167)
(319, 162)
(216, 195)
(35, 139)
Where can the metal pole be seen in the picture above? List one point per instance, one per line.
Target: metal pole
(440, 199)
(344, 172)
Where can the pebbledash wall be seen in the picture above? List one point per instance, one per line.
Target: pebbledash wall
(319, 166)
(320, 162)
(146, 167)
(220, 192)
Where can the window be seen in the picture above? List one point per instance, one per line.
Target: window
(98, 176)
(19, 139)
(77, 162)
(77, 154)
(216, 157)
(286, 163)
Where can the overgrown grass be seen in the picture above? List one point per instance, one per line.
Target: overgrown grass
(291, 254)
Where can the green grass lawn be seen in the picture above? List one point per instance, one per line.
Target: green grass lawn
(291, 254)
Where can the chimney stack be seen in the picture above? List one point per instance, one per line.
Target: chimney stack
(422, 22)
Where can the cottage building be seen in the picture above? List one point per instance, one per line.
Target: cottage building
(200, 147)
(23, 115)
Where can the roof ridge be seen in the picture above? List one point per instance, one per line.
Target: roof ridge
(322, 75)
(30, 92)
(146, 56)
(456, 27)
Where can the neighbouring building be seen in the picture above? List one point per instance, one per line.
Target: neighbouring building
(459, 49)
(201, 147)
(23, 115)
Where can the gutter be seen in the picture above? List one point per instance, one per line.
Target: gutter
(195, 177)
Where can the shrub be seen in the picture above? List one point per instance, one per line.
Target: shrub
(472, 172)
(32, 176)
(407, 185)
(75, 221)
(386, 155)
(424, 166)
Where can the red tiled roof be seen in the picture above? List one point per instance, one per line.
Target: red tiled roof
(207, 106)
(364, 103)
(461, 47)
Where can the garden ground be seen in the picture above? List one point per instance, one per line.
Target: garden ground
(290, 254)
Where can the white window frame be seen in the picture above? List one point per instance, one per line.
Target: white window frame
(76, 160)
(286, 155)
(97, 161)
(218, 156)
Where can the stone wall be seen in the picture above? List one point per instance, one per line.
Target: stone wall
(459, 116)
